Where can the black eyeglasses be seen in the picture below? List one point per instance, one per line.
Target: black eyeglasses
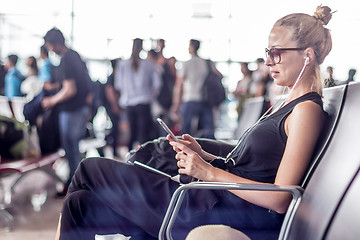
(275, 53)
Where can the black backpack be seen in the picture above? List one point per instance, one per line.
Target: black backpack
(213, 91)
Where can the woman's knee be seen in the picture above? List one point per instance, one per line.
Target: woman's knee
(76, 202)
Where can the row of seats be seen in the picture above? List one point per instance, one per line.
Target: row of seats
(325, 205)
(17, 105)
(21, 167)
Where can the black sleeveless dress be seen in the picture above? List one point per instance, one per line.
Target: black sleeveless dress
(122, 198)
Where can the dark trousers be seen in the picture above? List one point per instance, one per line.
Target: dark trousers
(141, 124)
(108, 197)
(204, 113)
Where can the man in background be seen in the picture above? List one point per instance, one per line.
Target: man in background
(71, 99)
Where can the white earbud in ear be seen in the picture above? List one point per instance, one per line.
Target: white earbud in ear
(307, 59)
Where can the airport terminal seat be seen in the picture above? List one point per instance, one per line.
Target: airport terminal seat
(4, 107)
(347, 214)
(19, 168)
(321, 205)
(23, 166)
(333, 176)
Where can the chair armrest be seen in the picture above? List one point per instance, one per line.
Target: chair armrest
(178, 196)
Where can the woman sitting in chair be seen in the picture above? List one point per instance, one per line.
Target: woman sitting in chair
(108, 196)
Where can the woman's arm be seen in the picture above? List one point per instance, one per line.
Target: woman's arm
(303, 127)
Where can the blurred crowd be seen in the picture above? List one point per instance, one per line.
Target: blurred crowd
(64, 99)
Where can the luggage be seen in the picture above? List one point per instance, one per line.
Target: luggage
(17, 140)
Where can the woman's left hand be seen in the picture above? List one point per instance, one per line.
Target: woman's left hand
(190, 163)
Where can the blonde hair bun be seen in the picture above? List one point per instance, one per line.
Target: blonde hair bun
(323, 14)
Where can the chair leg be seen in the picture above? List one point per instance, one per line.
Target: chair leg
(9, 219)
(4, 213)
(12, 185)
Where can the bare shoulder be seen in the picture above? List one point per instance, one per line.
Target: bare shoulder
(307, 113)
(306, 108)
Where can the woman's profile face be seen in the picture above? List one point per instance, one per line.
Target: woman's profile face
(287, 70)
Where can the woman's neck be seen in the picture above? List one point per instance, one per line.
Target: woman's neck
(298, 91)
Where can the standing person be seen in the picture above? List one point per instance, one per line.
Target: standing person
(2, 78)
(45, 65)
(112, 108)
(261, 77)
(138, 83)
(156, 107)
(13, 77)
(168, 77)
(47, 71)
(188, 93)
(31, 86)
(352, 73)
(107, 196)
(245, 87)
(70, 99)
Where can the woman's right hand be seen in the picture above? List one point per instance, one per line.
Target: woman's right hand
(188, 141)
(191, 143)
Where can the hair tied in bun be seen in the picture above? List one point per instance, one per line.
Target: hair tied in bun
(323, 14)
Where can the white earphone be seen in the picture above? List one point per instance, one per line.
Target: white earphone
(307, 59)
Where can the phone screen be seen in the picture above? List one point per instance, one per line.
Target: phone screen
(167, 129)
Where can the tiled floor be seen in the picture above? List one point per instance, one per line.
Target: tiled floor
(33, 222)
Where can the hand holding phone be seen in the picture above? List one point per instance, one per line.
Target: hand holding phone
(183, 178)
(167, 129)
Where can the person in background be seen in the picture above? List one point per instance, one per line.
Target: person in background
(2, 78)
(13, 80)
(245, 87)
(47, 71)
(32, 66)
(70, 99)
(157, 108)
(258, 77)
(31, 86)
(112, 108)
(168, 77)
(352, 73)
(13, 77)
(188, 95)
(330, 81)
(138, 83)
(263, 80)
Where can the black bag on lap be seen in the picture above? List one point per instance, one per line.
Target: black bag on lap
(160, 155)
(157, 154)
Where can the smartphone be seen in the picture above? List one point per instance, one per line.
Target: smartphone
(167, 129)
